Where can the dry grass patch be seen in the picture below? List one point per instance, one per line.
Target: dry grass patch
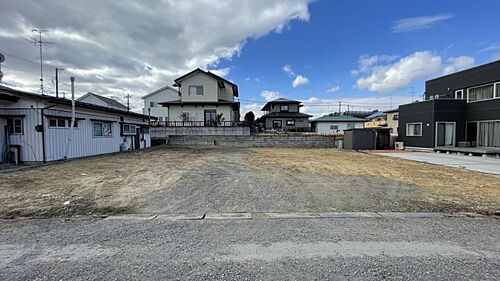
(473, 190)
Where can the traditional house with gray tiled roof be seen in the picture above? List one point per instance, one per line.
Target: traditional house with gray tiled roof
(283, 114)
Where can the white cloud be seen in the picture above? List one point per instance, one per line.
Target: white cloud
(134, 46)
(400, 74)
(270, 95)
(458, 63)
(366, 62)
(319, 107)
(288, 69)
(300, 80)
(254, 107)
(333, 89)
(222, 72)
(417, 23)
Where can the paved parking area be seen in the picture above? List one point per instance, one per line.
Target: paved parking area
(473, 163)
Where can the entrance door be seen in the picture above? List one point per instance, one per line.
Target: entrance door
(472, 133)
(445, 133)
(137, 139)
(277, 124)
(210, 116)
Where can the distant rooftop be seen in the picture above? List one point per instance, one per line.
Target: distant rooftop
(338, 118)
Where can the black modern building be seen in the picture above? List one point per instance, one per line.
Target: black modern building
(460, 110)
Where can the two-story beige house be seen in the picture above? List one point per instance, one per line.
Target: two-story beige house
(284, 115)
(205, 99)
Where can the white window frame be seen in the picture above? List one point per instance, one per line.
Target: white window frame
(286, 106)
(14, 125)
(351, 126)
(196, 87)
(334, 129)
(496, 95)
(454, 132)
(292, 122)
(414, 123)
(129, 132)
(66, 123)
(102, 124)
(459, 96)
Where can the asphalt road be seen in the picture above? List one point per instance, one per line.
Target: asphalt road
(268, 249)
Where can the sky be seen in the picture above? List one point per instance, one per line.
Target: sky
(356, 55)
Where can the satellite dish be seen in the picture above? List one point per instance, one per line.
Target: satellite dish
(2, 58)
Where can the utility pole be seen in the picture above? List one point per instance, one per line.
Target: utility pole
(128, 96)
(340, 106)
(348, 110)
(57, 81)
(37, 41)
(72, 125)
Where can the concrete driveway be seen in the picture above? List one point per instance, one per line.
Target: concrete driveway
(473, 163)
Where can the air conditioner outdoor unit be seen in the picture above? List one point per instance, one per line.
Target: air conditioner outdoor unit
(399, 145)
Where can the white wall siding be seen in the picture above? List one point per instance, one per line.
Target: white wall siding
(30, 141)
(84, 143)
(210, 88)
(159, 111)
(325, 127)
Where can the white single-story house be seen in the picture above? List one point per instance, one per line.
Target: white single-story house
(37, 128)
(152, 100)
(331, 123)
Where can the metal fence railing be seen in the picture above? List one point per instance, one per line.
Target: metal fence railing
(197, 124)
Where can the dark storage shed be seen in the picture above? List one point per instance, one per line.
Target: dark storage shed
(367, 139)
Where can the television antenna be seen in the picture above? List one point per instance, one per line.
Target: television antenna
(2, 59)
(37, 41)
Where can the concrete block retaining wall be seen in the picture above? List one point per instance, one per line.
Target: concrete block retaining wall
(256, 141)
(164, 132)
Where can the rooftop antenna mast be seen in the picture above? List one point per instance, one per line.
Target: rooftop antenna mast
(38, 41)
(128, 96)
(2, 59)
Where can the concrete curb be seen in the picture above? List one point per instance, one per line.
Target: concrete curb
(350, 215)
(180, 217)
(228, 216)
(277, 215)
(292, 215)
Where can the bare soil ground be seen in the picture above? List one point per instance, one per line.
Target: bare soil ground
(188, 180)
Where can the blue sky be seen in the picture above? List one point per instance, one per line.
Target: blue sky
(367, 54)
(327, 48)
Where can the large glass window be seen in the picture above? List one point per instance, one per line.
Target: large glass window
(413, 129)
(102, 129)
(351, 125)
(489, 134)
(481, 93)
(284, 108)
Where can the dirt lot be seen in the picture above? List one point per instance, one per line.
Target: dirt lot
(190, 180)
